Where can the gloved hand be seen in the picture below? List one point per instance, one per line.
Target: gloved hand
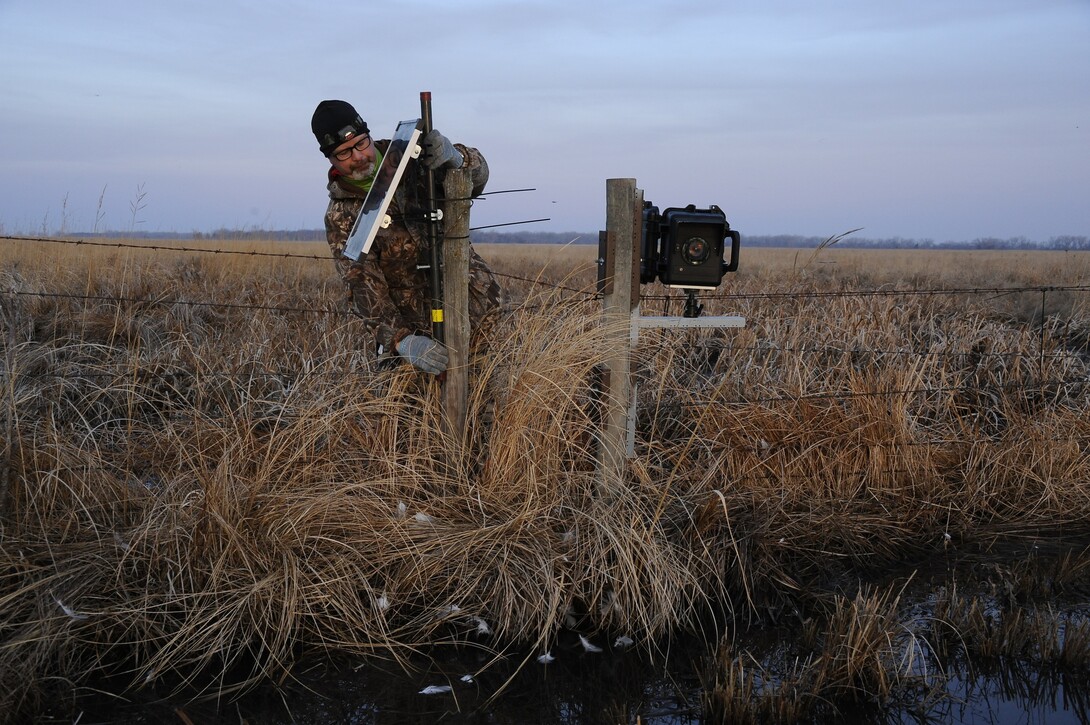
(439, 152)
(423, 353)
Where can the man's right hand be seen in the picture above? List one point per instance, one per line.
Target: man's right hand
(423, 353)
(439, 152)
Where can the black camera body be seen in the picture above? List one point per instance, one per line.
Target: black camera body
(685, 246)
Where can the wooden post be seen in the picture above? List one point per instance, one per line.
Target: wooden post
(9, 414)
(457, 188)
(624, 205)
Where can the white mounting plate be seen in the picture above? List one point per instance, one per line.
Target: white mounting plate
(639, 322)
(373, 213)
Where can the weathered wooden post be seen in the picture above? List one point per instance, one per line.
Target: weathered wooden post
(9, 411)
(620, 248)
(457, 188)
(624, 204)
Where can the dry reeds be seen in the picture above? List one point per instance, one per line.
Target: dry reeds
(199, 495)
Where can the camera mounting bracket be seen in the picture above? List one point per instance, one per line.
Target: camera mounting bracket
(692, 309)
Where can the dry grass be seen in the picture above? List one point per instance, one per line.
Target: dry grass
(206, 494)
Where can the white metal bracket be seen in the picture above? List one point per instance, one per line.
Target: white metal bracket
(682, 323)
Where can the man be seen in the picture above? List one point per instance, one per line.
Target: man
(387, 289)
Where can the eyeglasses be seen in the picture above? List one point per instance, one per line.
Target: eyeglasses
(346, 154)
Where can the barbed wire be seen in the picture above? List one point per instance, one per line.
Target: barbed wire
(134, 380)
(967, 388)
(586, 293)
(713, 345)
(718, 345)
(587, 296)
(171, 302)
(666, 297)
(170, 372)
(550, 285)
(175, 248)
(913, 292)
(254, 253)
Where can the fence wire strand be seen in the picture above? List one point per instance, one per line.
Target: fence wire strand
(579, 296)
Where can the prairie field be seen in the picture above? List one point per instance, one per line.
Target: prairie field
(208, 481)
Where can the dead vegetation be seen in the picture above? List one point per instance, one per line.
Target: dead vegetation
(207, 480)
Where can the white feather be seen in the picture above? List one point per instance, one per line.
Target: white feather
(588, 646)
(546, 658)
(435, 689)
(447, 611)
(71, 613)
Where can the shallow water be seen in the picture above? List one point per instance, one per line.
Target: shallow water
(628, 684)
(576, 688)
(1027, 698)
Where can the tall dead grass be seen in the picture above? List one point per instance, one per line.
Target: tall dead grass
(199, 496)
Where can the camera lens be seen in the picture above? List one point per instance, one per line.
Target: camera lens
(696, 251)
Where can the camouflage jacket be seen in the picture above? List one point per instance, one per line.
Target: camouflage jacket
(384, 287)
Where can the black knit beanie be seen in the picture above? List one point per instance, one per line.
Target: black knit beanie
(333, 123)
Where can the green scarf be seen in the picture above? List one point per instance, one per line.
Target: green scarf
(365, 184)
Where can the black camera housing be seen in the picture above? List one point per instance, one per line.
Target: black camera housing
(649, 244)
(685, 246)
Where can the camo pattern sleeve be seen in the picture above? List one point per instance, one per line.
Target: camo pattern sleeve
(366, 286)
(387, 288)
(473, 160)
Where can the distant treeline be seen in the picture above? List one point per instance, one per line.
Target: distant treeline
(796, 240)
(1064, 242)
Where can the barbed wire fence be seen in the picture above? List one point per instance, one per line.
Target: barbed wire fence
(583, 296)
(576, 295)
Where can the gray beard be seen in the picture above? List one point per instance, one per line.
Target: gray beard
(363, 174)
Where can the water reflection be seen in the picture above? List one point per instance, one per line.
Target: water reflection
(577, 687)
(1014, 692)
(993, 663)
(581, 689)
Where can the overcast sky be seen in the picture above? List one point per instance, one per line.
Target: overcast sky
(930, 119)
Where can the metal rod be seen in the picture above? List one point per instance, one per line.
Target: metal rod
(504, 191)
(508, 224)
(433, 229)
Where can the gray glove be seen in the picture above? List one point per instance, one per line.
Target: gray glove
(439, 152)
(423, 353)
